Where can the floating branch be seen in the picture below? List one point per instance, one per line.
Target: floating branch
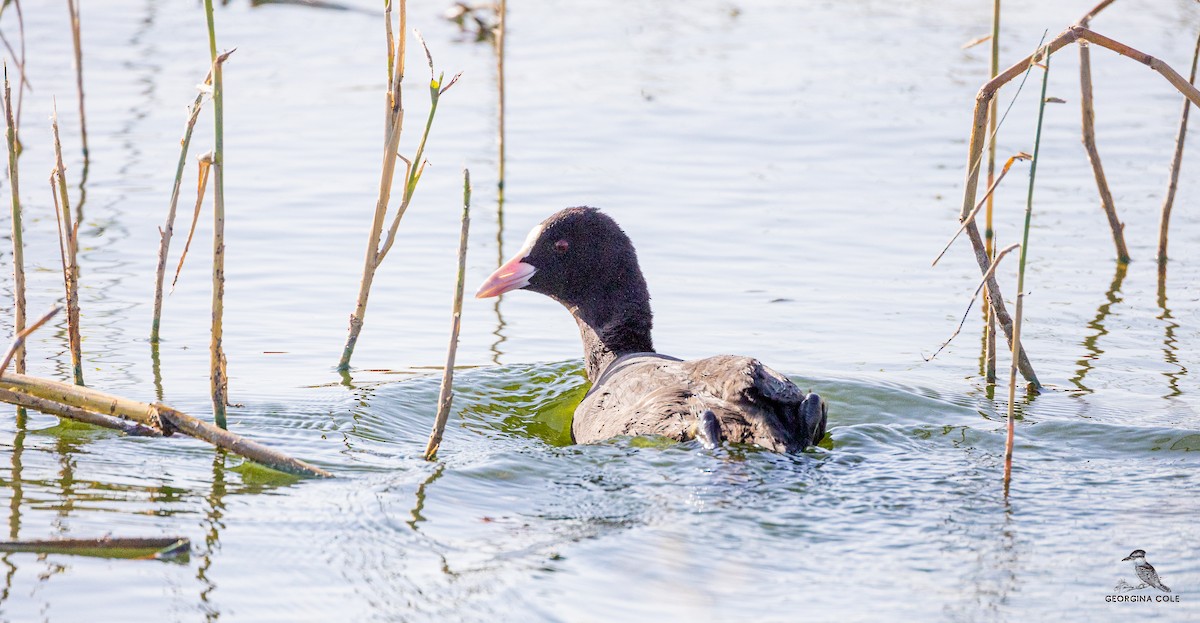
(446, 394)
(168, 228)
(1173, 183)
(158, 416)
(168, 548)
(69, 247)
(17, 237)
(978, 133)
(377, 251)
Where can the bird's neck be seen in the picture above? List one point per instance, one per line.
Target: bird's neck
(613, 329)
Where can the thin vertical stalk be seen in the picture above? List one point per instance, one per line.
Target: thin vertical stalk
(501, 31)
(69, 247)
(1173, 183)
(217, 361)
(989, 236)
(1020, 307)
(168, 228)
(446, 395)
(76, 39)
(17, 238)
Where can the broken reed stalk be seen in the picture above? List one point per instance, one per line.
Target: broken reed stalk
(159, 416)
(978, 134)
(1093, 153)
(1173, 183)
(69, 247)
(446, 393)
(17, 237)
(1012, 372)
(19, 339)
(205, 163)
(168, 228)
(217, 362)
(76, 39)
(393, 128)
(376, 250)
(989, 338)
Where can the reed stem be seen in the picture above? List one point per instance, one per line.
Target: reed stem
(17, 237)
(989, 339)
(1088, 114)
(501, 31)
(69, 247)
(446, 394)
(217, 362)
(1012, 372)
(1173, 183)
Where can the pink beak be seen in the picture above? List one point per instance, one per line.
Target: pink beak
(512, 275)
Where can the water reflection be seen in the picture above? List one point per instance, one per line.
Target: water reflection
(1170, 346)
(1111, 297)
(212, 524)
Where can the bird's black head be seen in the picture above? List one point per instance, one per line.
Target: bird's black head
(1137, 553)
(581, 258)
(578, 256)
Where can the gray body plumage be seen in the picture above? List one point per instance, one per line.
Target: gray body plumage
(723, 398)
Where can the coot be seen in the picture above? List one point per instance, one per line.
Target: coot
(581, 258)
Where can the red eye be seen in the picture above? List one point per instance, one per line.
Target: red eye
(561, 246)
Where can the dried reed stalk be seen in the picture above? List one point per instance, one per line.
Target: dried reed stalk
(1173, 183)
(205, 164)
(446, 394)
(978, 134)
(168, 228)
(17, 237)
(377, 250)
(19, 339)
(76, 40)
(393, 128)
(69, 247)
(219, 375)
(1093, 153)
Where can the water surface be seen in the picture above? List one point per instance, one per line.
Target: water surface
(787, 170)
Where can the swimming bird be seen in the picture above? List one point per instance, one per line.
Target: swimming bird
(1145, 571)
(581, 258)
